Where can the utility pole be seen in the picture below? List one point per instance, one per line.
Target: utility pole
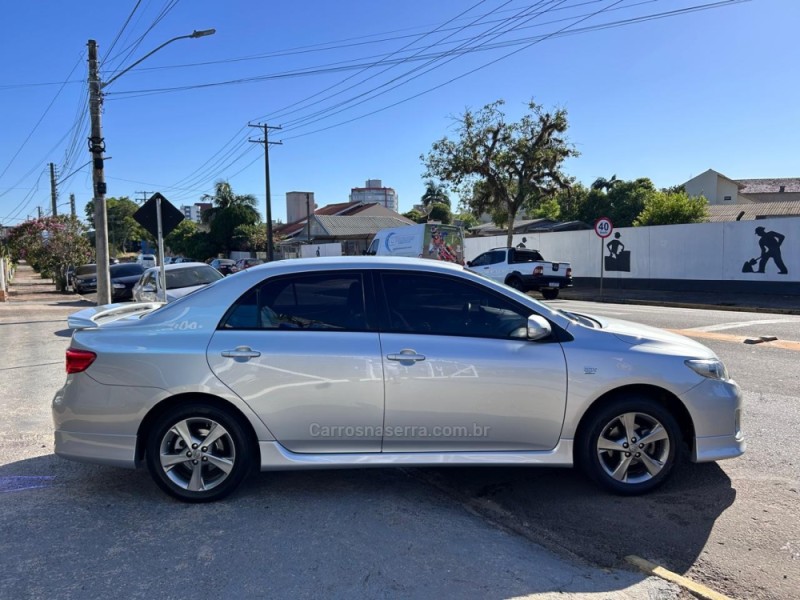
(266, 142)
(39, 208)
(145, 196)
(72, 205)
(308, 216)
(53, 190)
(97, 147)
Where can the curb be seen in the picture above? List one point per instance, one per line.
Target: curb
(698, 589)
(691, 305)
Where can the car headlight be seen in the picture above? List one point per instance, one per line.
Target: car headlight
(708, 367)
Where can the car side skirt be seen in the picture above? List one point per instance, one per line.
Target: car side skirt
(275, 457)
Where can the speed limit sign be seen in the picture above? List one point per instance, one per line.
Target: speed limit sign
(603, 227)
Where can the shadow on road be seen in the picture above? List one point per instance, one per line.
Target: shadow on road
(74, 530)
(670, 526)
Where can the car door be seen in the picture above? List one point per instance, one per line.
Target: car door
(460, 375)
(304, 353)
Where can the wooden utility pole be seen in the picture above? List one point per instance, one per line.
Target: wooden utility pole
(266, 142)
(53, 191)
(97, 146)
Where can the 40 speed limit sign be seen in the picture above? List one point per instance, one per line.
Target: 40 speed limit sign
(603, 227)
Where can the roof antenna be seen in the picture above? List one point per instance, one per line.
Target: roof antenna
(739, 216)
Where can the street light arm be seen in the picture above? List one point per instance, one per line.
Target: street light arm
(194, 34)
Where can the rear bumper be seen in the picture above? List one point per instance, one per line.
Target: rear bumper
(531, 283)
(96, 448)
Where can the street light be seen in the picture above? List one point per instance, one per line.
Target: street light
(97, 148)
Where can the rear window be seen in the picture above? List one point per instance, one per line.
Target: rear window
(86, 270)
(526, 256)
(126, 270)
(188, 277)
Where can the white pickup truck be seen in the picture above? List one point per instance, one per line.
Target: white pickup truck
(524, 270)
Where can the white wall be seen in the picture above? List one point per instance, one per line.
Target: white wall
(702, 251)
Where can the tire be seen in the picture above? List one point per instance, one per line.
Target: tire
(515, 282)
(186, 469)
(550, 294)
(614, 449)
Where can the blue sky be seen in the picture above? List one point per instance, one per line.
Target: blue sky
(665, 99)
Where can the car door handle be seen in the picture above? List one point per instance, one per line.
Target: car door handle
(241, 352)
(406, 356)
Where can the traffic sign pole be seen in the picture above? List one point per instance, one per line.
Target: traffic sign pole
(162, 273)
(603, 228)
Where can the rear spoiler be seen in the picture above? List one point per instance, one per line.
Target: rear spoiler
(99, 315)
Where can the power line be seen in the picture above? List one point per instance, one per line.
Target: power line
(124, 25)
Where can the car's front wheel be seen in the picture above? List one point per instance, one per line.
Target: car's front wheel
(198, 452)
(630, 446)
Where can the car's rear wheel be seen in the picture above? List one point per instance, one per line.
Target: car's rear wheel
(550, 294)
(630, 446)
(198, 453)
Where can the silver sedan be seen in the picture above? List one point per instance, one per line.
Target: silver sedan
(370, 362)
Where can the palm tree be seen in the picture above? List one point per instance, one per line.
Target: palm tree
(434, 194)
(603, 184)
(222, 198)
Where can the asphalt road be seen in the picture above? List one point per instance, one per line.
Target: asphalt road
(80, 531)
(733, 525)
(69, 530)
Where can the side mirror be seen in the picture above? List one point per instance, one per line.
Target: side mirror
(149, 289)
(538, 328)
(469, 263)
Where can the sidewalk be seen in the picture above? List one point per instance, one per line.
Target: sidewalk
(687, 299)
(29, 292)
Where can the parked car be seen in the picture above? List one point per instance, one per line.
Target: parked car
(381, 361)
(223, 265)
(524, 269)
(123, 277)
(245, 263)
(182, 279)
(183, 259)
(147, 260)
(84, 279)
(70, 275)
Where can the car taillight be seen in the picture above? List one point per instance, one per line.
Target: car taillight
(538, 271)
(79, 360)
(569, 273)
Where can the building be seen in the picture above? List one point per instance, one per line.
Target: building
(194, 212)
(746, 199)
(355, 241)
(299, 205)
(716, 188)
(374, 192)
(771, 190)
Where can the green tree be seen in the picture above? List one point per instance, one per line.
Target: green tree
(619, 200)
(440, 212)
(122, 228)
(50, 245)
(467, 219)
(416, 216)
(181, 240)
(250, 237)
(673, 208)
(519, 163)
(224, 223)
(434, 194)
(224, 197)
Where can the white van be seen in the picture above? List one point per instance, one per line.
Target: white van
(426, 240)
(146, 260)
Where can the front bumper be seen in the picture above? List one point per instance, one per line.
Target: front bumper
(716, 410)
